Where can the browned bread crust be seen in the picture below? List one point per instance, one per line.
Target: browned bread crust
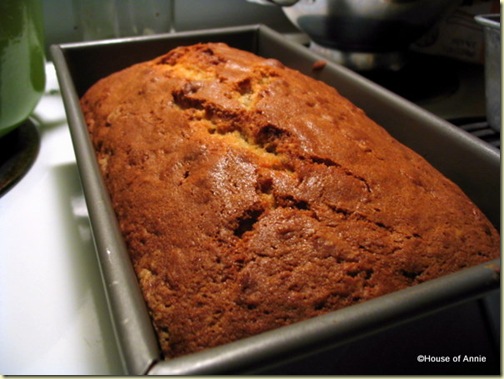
(251, 196)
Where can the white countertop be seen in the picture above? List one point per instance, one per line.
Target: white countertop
(53, 313)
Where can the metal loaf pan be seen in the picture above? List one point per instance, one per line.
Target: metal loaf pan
(463, 158)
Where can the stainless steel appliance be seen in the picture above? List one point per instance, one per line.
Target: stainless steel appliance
(364, 34)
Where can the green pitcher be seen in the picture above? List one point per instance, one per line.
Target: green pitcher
(22, 74)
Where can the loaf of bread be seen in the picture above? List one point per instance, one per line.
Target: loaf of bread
(252, 196)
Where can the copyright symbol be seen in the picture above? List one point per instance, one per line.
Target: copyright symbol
(420, 358)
